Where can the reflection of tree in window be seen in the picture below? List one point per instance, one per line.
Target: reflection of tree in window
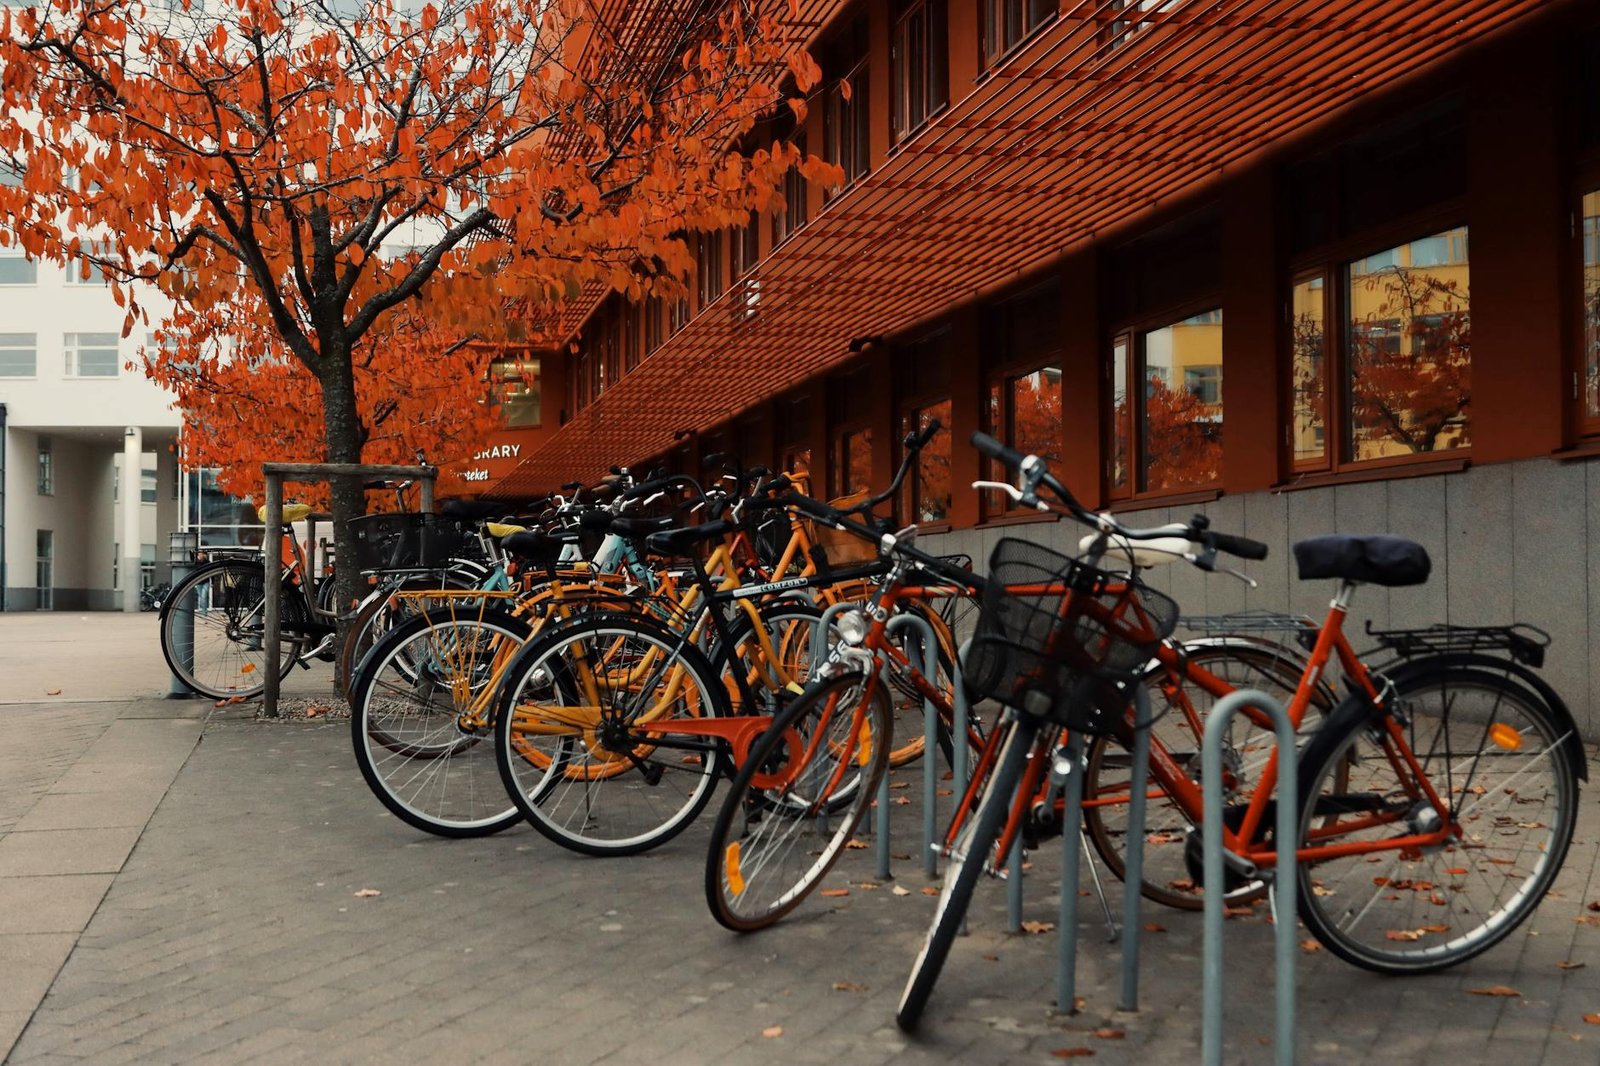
(930, 487)
(1309, 346)
(514, 385)
(1181, 425)
(1591, 303)
(1409, 350)
(853, 463)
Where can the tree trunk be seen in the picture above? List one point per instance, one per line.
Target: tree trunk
(344, 437)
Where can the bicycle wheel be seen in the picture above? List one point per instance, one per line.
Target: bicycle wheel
(1493, 752)
(213, 629)
(1181, 708)
(790, 626)
(573, 742)
(797, 801)
(909, 732)
(421, 718)
(380, 613)
(970, 853)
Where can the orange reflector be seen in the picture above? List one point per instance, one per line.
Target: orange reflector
(864, 755)
(247, 668)
(730, 860)
(1505, 736)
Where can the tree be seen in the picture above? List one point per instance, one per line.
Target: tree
(254, 159)
(1411, 363)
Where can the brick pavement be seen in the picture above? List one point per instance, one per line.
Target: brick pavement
(232, 933)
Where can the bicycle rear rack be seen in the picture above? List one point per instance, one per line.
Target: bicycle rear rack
(1523, 642)
(1302, 628)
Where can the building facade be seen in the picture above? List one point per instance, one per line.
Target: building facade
(1307, 267)
(89, 487)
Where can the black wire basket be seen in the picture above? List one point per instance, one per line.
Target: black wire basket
(1053, 629)
(410, 541)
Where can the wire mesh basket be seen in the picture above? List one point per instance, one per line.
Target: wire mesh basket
(409, 541)
(1053, 627)
(841, 548)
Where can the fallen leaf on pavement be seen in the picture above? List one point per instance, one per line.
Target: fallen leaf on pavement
(52, 692)
(772, 1031)
(1037, 927)
(900, 890)
(1493, 990)
(834, 893)
(1592, 1019)
(1110, 1034)
(929, 890)
(1154, 927)
(1568, 964)
(1072, 1052)
(1310, 945)
(848, 986)
(991, 958)
(368, 893)
(856, 845)
(317, 710)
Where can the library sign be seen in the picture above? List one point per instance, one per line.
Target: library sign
(488, 465)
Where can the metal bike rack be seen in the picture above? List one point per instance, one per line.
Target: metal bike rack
(274, 473)
(1284, 901)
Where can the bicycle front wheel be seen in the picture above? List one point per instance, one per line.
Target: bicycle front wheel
(421, 720)
(797, 801)
(584, 741)
(969, 854)
(1499, 762)
(213, 630)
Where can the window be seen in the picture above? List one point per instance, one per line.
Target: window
(793, 215)
(19, 355)
(746, 253)
(116, 564)
(91, 355)
(1167, 402)
(85, 271)
(147, 486)
(147, 566)
(791, 423)
(846, 109)
(850, 407)
(1006, 23)
(47, 467)
(18, 270)
(930, 481)
(919, 58)
(1132, 17)
(1392, 377)
(708, 267)
(12, 171)
(654, 324)
(44, 574)
(852, 461)
(1591, 312)
(1024, 399)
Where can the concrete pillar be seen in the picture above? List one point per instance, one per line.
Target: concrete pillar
(132, 462)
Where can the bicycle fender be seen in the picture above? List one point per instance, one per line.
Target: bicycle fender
(1573, 747)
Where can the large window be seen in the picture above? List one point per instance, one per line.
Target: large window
(846, 119)
(84, 270)
(18, 270)
(91, 355)
(1381, 355)
(1166, 407)
(919, 62)
(1590, 334)
(19, 355)
(922, 379)
(794, 212)
(850, 406)
(1006, 23)
(514, 385)
(1022, 352)
(708, 267)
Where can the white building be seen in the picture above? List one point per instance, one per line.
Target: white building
(89, 487)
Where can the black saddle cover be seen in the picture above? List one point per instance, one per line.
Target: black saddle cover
(1377, 559)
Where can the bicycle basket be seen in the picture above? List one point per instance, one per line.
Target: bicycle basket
(1052, 627)
(408, 541)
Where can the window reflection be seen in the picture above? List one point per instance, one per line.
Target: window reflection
(514, 385)
(1591, 303)
(1309, 347)
(1409, 348)
(1180, 427)
(852, 468)
(930, 485)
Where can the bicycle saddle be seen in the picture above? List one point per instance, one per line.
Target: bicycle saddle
(1378, 559)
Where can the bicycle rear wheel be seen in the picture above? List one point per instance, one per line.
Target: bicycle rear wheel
(970, 853)
(1498, 759)
(797, 801)
(573, 744)
(420, 720)
(1181, 711)
(213, 630)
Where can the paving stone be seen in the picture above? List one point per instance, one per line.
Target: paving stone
(90, 810)
(30, 962)
(66, 851)
(58, 904)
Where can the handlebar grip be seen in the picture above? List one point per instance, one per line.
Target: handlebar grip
(1243, 547)
(648, 488)
(995, 450)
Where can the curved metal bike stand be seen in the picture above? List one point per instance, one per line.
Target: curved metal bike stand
(1284, 929)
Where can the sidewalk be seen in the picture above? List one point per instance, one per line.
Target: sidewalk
(180, 884)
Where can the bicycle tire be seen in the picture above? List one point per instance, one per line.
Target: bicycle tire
(419, 722)
(762, 825)
(1424, 910)
(968, 856)
(1169, 877)
(222, 604)
(554, 768)
(380, 613)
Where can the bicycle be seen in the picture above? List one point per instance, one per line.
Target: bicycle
(1369, 789)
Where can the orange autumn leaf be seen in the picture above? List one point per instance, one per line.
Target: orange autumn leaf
(1592, 1019)
(1072, 1053)
(834, 893)
(1494, 990)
